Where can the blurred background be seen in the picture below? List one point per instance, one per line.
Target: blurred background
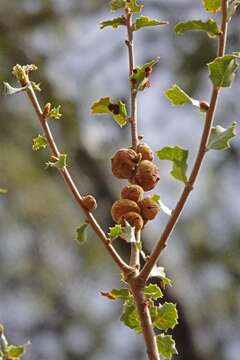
(49, 287)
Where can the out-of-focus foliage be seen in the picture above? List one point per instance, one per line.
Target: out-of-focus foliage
(49, 285)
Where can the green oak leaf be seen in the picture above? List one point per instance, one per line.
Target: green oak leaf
(118, 294)
(128, 233)
(232, 7)
(39, 142)
(115, 23)
(164, 317)
(222, 70)
(15, 351)
(130, 317)
(117, 110)
(152, 291)
(220, 137)
(133, 6)
(179, 157)
(140, 75)
(159, 272)
(210, 26)
(10, 90)
(81, 233)
(115, 232)
(212, 5)
(144, 21)
(60, 163)
(166, 346)
(178, 97)
(54, 113)
(117, 4)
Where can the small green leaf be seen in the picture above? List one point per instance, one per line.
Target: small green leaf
(220, 137)
(133, 6)
(166, 346)
(3, 191)
(115, 232)
(117, 4)
(81, 233)
(54, 113)
(117, 294)
(178, 97)
(152, 291)
(128, 233)
(159, 272)
(140, 75)
(156, 198)
(210, 26)
(164, 317)
(232, 7)
(39, 142)
(222, 70)
(130, 317)
(15, 351)
(10, 90)
(138, 246)
(144, 21)
(36, 86)
(115, 23)
(212, 5)
(179, 157)
(117, 110)
(60, 163)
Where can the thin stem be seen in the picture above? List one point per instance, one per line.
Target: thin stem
(130, 45)
(146, 321)
(145, 272)
(72, 187)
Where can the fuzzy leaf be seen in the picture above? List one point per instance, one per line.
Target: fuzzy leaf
(159, 272)
(54, 113)
(115, 232)
(81, 233)
(166, 346)
(115, 23)
(10, 90)
(178, 97)
(223, 69)
(144, 21)
(15, 351)
(133, 6)
(212, 5)
(117, 4)
(220, 137)
(117, 110)
(117, 294)
(39, 142)
(210, 26)
(60, 163)
(130, 317)
(140, 75)
(128, 233)
(232, 7)
(152, 291)
(179, 157)
(164, 317)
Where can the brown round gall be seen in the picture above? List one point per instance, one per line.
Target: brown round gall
(89, 202)
(149, 208)
(132, 192)
(122, 207)
(147, 175)
(146, 151)
(124, 163)
(134, 219)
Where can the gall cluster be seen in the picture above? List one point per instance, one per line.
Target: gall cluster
(138, 168)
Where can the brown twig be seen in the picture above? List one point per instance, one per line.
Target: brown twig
(71, 184)
(145, 272)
